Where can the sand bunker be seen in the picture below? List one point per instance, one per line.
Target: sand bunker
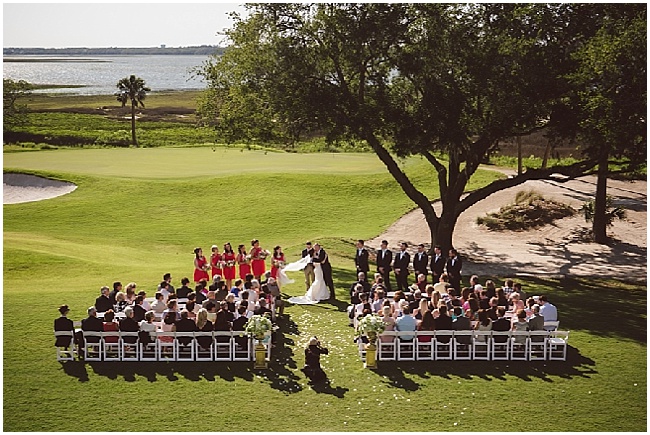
(19, 188)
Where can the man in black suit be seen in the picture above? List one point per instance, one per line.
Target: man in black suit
(138, 309)
(185, 325)
(103, 302)
(454, 267)
(309, 268)
(129, 324)
(384, 260)
(184, 289)
(361, 259)
(63, 324)
(117, 287)
(401, 267)
(420, 262)
(91, 323)
(438, 262)
(501, 324)
(320, 256)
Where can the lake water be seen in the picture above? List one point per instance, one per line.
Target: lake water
(100, 74)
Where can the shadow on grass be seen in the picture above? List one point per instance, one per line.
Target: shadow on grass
(280, 374)
(395, 372)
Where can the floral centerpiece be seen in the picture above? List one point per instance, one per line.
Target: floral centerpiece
(371, 326)
(258, 325)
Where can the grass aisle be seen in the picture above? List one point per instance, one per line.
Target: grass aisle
(138, 214)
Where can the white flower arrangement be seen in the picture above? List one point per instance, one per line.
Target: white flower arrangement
(263, 254)
(230, 263)
(258, 325)
(370, 325)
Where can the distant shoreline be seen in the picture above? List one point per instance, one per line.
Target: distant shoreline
(205, 50)
(52, 59)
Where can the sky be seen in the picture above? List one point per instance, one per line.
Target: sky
(58, 25)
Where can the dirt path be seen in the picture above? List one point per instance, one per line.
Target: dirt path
(554, 250)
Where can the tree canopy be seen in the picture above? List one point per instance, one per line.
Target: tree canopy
(409, 79)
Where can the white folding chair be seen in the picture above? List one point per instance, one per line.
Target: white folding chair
(556, 345)
(552, 326)
(111, 345)
(425, 346)
(519, 346)
(166, 346)
(242, 347)
(92, 345)
(386, 350)
(149, 351)
(65, 353)
(500, 345)
(129, 346)
(222, 345)
(406, 345)
(462, 345)
(184, 352)
(537, 345)
(204, 353)
(443, 345)
(481, 345)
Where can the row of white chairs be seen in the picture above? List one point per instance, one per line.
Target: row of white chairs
(163, 346)
(471, 345)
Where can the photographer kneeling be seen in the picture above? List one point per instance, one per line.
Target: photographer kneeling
(312, 367)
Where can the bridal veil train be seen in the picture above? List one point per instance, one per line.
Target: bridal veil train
(318, 290)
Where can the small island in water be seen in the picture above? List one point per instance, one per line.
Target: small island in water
(112, 51)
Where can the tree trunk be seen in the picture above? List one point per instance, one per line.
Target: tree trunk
(520, 168)
(445, 231)
(547, 154)
(600, 220)
(135, 142)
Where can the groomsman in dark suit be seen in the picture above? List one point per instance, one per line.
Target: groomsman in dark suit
(454, 267)
(438, 262)
(401, 267)
(384, 260)
(420, 262)
(361, 259)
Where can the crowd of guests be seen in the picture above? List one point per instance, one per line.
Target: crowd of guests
(206, 308)
(442, 304)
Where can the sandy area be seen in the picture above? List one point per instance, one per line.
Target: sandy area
(555, 250)
(18, 188)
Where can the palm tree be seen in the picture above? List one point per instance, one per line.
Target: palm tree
(132, 88)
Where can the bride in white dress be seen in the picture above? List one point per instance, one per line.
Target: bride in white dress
(318, 290)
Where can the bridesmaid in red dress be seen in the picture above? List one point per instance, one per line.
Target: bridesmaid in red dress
(228, 257)
(244, 263)
(277, 261)
(258, 262)
(201, 266)
(215, 260)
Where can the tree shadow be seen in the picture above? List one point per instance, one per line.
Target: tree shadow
(394, 372)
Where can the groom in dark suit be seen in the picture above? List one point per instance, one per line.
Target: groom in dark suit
(361, 259)
(309, 268)
(320, 256)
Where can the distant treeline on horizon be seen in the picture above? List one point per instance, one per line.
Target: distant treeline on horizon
(113, 51)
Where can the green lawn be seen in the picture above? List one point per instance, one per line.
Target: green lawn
(139, 212)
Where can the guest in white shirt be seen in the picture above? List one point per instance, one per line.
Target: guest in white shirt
(547, 309)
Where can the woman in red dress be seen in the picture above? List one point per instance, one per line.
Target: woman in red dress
(201, 266)
(244, 263)
(277, 261)
(216, 262)
(258, 256)
(228, 257)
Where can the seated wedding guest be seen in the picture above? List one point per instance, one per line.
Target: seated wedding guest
(378, 303)
(434, 299)
(460, 322)
(163, 288)
(130, 292)
(443, 321)
(422, 282)
(536, 321)
(238, 287)
(414, 303)
(64, 324)
(145, 304)
(263, 309)
(483, 301)
(216, 279)
(129, 324)
(492, 311)
(191, 308)
(501, 324)
(406, 322)
(211, 299)
(92, 324)
(238, 325)
(397, 297)
(516, 302)
(168, 279)
(355, 294)
(168, 325)
(452, 299)
(223, 321)
(427, 324)
(378, 282)
(442, 284)
(120, 302)
(203, 325)
(516, 288)
(103, 302)
(508, 287)
(422, 308)
(147, 327)
(547, 309)
(484, 324)
(491, 288)
(502, 300)
(520, 325)
(185, 324)
(230, 302)
(138, 309)
(363, 307)
(172, 305)
(110, 326)
(212, 312)
(200, 295)
(117, 287)
(243, 300)
(248, 281)
(474, 284)
(221, 291)
(274, 290)
(159, 305)
(464, 296)
(184, 289)
(473, 305)
(254, 291)
(312, 368)
(389, 321)
(358, 287)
